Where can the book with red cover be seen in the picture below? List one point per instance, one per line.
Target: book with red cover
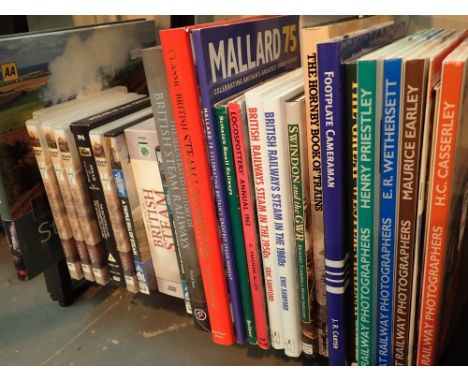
(448, 175)
(243, 164)
(178, 60)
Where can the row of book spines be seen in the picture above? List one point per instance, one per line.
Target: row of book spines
(393, 343)
(177, 193)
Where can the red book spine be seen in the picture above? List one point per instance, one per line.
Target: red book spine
(438, 210)
(248, 222)
(180, 69)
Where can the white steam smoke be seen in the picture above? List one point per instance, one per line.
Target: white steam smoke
(85, 65)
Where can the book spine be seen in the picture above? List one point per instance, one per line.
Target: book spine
(351, 128)
(126, 190)
(165, 126)
(97, 199)
(243, 164)
(440, 187)
(388, 206)
(56, 203)
(408, 183)
(367, 72)
(101, 153)
(178, 62)
(264, 199)
(332, 134)
(170, 215)
(219, 187)
(433, 78)
(69, 203)
(86, 215)
(142, 145)
(236, 221)
(295, 115)
(275, 137)
(315, 160)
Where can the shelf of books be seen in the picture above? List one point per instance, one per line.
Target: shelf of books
(300, 188)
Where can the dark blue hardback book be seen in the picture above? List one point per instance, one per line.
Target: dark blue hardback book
(231, 58)
(331, 58)
(388, 200)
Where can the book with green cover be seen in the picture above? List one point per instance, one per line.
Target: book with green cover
(366, 162)
(222, 121)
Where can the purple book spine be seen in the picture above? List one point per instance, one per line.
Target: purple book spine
(332, 135)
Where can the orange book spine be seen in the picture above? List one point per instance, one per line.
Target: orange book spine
(178, 59)
(438, 209)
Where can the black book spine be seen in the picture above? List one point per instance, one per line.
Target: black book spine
(83, 143)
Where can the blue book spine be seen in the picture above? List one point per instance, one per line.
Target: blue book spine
(388, 200)
(332, 135)
(219, 187)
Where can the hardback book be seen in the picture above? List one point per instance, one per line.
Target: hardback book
(245, 184)
(433, 78)
(36, 71)
(70, 164)
(370, 93)
(387, 197)
(177, 193)
(446, 189)
(351, 179)
(265, 217)
(275, 133)
(301, 206)
(229, 173)
(332, 56)
(102, 155)
(118, 255)
(415, 66)
(217, 78)
(126, 189)
(179, 60)
(142, 141)
(310, 37)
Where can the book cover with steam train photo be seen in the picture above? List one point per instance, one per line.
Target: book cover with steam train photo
(39, 70)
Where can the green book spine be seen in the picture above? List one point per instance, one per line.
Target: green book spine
(222, 120)
(351, 127)
(365, 210)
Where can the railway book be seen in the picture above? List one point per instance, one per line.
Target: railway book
(142, 141)
(245, 184)
(177, 193)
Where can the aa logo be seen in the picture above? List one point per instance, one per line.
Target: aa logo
(10, 72)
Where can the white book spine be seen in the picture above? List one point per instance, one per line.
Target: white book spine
(264, 200)
(280, 210)
(155, 214)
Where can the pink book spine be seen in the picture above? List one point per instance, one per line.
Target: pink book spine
(244, 182)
